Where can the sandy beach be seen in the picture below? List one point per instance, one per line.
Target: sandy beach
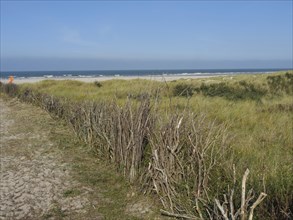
(104, 78)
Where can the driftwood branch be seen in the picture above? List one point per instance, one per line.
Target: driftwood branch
(243, 198)
(221, 208)
(166, 213)
(261, 197)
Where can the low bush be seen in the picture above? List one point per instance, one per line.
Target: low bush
(281, 83)
(216, 89)
(242, 90)
(183, 89)
(98, 84)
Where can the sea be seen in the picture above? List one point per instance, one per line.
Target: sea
(115, 73)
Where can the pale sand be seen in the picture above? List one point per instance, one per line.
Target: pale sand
(104, 78)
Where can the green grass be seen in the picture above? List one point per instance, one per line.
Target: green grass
(71, 192)
(108, 188)
(261, 129)
(120, 89)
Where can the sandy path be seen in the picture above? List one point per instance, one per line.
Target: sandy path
(32, 179)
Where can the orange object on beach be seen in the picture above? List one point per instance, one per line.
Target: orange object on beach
(10, 80)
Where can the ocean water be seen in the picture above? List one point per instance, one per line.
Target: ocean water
(103, 73)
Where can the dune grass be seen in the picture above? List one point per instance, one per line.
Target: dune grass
(81, 91)
(261, 128)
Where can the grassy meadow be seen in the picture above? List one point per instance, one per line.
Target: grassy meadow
(256, 109)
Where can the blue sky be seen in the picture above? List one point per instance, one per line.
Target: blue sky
(89, 35)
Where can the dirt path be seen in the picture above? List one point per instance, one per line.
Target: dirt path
(41, 180)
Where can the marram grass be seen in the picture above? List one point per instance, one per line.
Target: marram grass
(262, 129)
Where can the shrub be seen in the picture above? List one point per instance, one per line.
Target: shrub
(250, 91)
(242, 90)
(281, 83)
(218, 89)
(183, 89)
(98, 84)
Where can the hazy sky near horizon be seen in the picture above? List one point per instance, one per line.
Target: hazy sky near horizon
(89, 35)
